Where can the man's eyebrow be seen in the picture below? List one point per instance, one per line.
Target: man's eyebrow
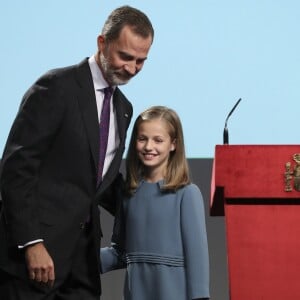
(125, 54)
(129, 56)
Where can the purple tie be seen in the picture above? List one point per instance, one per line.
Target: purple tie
(104, 129)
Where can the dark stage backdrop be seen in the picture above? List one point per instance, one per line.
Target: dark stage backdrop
(112, 283)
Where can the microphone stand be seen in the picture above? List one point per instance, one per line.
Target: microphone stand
(225, 132)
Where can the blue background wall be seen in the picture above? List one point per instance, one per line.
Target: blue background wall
(206, 55)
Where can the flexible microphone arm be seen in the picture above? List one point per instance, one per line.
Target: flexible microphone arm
(225, 133)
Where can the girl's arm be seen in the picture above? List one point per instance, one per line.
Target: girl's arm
(113, 257)
(195, 242)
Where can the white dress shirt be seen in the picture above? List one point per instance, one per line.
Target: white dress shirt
(113, 136)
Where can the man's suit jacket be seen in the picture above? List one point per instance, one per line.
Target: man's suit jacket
(49, 168)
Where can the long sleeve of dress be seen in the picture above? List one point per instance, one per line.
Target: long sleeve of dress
(195, 242)
(113, 258)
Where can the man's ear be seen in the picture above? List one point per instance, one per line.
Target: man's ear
(101, 43)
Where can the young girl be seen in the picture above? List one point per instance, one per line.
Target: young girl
(160, 232)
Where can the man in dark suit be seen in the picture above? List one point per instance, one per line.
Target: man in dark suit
(50, 225)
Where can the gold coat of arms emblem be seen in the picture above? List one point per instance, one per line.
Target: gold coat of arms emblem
(292, 174)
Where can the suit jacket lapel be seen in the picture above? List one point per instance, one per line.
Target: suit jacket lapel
(123, 116)
(87, 102)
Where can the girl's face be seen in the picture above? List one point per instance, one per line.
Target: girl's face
(153, 146)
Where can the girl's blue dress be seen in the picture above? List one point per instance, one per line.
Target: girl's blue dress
(164, 242)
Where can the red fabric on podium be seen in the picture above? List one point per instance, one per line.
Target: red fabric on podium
(262, 220)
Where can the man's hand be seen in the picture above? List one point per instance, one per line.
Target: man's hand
(39, 264)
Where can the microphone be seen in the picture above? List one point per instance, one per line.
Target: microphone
(225, 133)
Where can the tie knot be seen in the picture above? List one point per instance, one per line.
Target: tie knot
(108, 92)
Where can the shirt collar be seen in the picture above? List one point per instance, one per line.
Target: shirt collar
(98, 79)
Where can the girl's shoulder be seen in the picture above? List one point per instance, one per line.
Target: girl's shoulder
(191, 188)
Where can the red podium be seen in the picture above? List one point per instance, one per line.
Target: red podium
(257, 188)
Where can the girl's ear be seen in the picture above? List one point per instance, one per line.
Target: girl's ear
(173, 145)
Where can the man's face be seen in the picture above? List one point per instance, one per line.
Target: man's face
(122, 59)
